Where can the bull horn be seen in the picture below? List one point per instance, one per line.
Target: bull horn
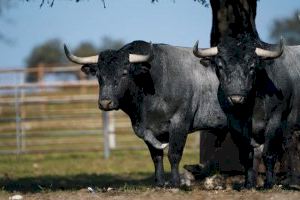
(149, 137)
(202, 53)
(137, 58)
(267, 54)
(80, 60)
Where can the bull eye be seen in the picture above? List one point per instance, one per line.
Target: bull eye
(115, 83)
(252, 71)
(219, 63)
(125, 72)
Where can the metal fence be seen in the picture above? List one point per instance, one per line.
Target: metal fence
(60, 115)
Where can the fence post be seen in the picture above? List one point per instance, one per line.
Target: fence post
(40, 74)
(22, 117)
(18, 119)
(108, 132)
(105, 122)
(111, 131)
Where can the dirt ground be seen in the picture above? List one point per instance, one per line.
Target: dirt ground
(223, 188)
(164, 194)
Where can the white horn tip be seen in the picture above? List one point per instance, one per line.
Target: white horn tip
(196, 44)
(281, 40)
(195, 49)
(67, 52)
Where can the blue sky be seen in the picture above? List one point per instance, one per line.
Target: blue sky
(180, 23)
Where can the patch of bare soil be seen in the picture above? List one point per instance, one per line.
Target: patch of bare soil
(166, 194)
(212, 187)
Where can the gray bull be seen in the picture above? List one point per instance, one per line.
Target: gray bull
(164, 90)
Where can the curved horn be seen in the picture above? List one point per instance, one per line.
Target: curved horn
(149, 137)
(80, 60)
(204, 52)
(267, 54)
(137, 58)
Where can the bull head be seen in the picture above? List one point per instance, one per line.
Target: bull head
(263, 53)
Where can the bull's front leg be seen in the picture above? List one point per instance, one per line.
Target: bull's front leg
(176, 145)
(272, 148)
(240, 131)
(157, 158)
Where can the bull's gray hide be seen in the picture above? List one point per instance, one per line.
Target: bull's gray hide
(164, 90)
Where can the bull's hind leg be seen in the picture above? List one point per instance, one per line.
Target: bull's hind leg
(157, 157)
(292, 149)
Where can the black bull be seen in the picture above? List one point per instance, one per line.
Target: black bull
(254, 78)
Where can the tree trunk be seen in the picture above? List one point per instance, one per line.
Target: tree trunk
(232, 17)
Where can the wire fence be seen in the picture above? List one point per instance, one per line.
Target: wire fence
(52, 115)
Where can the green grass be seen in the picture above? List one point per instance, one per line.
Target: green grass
(72, 171)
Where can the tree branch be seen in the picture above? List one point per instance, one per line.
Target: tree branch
(51, 2)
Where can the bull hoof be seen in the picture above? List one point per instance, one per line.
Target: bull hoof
(249, 185)
(268, 185)
(160, 184)
(174, 184)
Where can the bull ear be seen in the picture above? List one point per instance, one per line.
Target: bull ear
(206, 62)
(89, 69)
(140, 69)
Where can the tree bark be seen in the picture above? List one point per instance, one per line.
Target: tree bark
(232, 17)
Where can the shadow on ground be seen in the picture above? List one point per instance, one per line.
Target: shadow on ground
(54, 183)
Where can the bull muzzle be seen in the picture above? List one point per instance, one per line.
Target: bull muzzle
(236, 99)
(105, 104)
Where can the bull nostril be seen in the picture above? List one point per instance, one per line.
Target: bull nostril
(105, 104)
(236, 99)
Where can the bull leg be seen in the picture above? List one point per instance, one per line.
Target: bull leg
(240, 134)
(221, 136)
(292, 149)
(157, 158)
(272, 148)
(176, 144)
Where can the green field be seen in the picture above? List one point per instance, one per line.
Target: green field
(73, 171)
(63, 146)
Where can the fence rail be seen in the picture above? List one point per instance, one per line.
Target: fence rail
(61, 116)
